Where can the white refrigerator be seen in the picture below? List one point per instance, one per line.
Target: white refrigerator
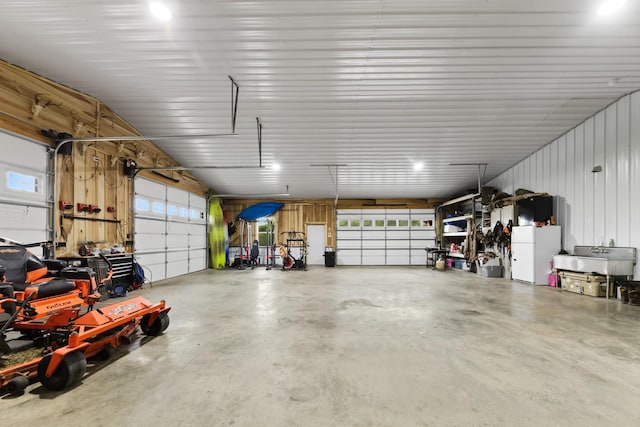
(532, 250)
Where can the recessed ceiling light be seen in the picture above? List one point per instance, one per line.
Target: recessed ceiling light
(610, 6)
(418, 166)
(275, 167)
(160, 11)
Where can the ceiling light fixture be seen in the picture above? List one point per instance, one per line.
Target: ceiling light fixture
(160, 11)
(610, 6)
(418, 166)
(275, 167)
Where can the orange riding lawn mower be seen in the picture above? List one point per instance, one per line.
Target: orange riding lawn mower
(49, 326)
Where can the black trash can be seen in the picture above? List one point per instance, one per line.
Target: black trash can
(329, 259)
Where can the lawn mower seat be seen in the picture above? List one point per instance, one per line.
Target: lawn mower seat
(23, 268)
(55, 286)
(21, 265)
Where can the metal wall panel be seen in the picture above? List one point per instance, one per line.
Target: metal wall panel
(610, 171)
(578, 181)
(623, 184)
(589, 179)
(634, 170)
(592, 208)
(599, 196)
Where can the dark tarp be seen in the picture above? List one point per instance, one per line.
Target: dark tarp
(260, 210)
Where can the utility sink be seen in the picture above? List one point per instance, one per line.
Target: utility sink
(607, 261)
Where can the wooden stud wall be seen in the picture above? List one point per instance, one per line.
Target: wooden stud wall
(93, 173)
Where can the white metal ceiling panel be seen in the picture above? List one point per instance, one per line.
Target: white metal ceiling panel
(377, 85)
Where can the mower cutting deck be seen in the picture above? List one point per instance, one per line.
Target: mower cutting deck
(49, 326)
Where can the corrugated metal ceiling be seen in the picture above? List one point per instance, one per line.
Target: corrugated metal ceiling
(377, 85)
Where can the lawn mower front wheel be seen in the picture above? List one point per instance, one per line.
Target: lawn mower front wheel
(17, 385)
(68, 373)
(157, 327)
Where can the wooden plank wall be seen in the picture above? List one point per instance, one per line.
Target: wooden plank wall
(93, 173)
(294, 216)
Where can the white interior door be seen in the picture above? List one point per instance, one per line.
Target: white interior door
(522, 262)
(316, 241)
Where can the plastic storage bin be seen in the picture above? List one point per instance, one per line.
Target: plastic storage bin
(490, 270)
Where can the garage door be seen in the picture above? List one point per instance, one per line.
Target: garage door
(384, 236)
(170, 229)
(23, 190)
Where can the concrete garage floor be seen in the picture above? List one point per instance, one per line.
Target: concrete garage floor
(361, 347)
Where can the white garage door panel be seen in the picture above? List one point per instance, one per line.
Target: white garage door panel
(157, 271)
(197, 264)
(423, 234)
(197, 236)
(200, 229)
(418, 259)
(398, 234)
(153, 265)
(349, 212)
(177, 256)
(150, 259)
(373, 244)
(421, 244)
(177, 228)
(348, 234)
(179, 234)
(374, 234)
(400, 244)
(373, 257)
(150, 226)
(349, 244)
(23, 234)
(348, 257)
(388, 244)
(150, 242)
(19, 222)
(150, 189)
(22, 218)
(197, 241)
(177, 242)
(197, 202)
(21, 151)
(177, 268)
(177, 196)
(399, 257)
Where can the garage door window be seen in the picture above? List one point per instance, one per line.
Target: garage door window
(158, 208)
(22, 182)
(142, 205)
